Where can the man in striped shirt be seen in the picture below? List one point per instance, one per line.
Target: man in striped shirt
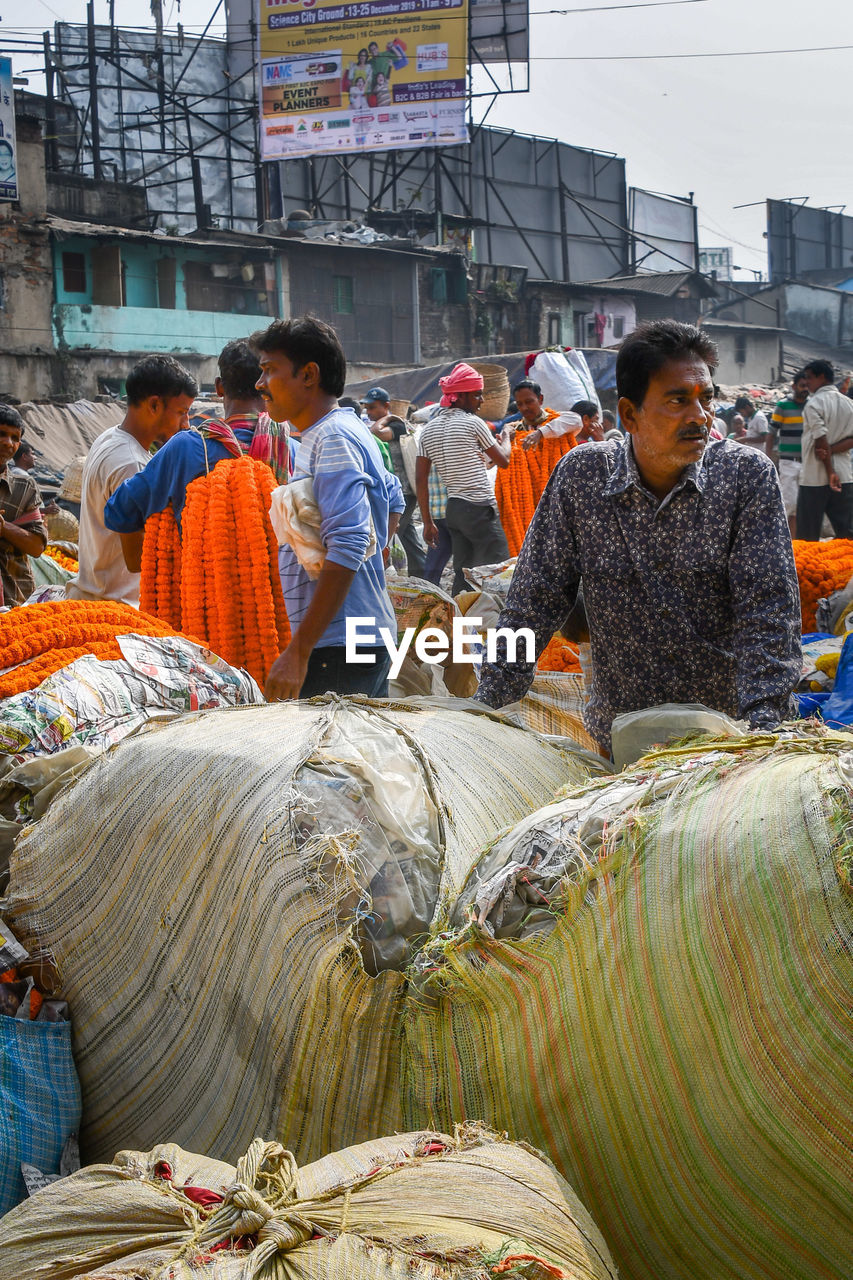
(787, 422)
(457, 443)
(22, 530)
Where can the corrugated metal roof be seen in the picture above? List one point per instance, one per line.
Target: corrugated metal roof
(664, 283)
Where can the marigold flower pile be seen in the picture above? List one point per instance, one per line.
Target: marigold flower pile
(39, 639)
(520, 485)
(61, 558)
(822, 567)
(559, 655)
(224, 567)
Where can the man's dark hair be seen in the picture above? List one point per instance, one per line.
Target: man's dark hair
(161, 376)
(347, 402)
(10, 417)
(821, 369)
(527, 384)
(305, 340)
(744, 403)
(23, 448)
(239, 371)
(651, 346)
(586, 408)
(798, 377)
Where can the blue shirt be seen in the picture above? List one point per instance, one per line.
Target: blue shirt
(692, 599)
(351, 485)
(165, 478)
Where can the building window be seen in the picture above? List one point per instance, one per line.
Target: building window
(740, 348)
(74, 272)
(555, 329)
(343, 295)
(618, 327)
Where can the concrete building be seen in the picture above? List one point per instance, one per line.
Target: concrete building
(748, 352)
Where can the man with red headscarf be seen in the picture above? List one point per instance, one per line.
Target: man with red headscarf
(457, 443)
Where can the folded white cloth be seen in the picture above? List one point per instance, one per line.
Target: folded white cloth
(296, 521)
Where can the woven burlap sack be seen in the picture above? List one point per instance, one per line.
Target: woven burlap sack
(417, 1206)
(231, 901)
(657, 991)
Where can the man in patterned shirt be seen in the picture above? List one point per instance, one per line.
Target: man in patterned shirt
(683, 549)
(22, 530)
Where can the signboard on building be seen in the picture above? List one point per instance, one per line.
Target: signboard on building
(8, 158)
(718, 262)
(378, 75)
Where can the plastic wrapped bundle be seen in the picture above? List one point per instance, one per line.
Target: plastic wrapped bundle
(232, 901)
(651, 980)
(422, 1206)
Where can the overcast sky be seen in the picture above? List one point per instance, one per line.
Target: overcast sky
(733, 129)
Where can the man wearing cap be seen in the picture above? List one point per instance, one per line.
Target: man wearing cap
(457, 443)
(386, 426)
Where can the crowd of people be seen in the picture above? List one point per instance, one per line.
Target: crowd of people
(671, 515)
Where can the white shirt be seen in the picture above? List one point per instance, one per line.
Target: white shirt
(568, 424)
(826, 413)
(454, 442)
(102, 574)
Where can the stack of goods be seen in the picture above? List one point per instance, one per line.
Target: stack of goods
(218, 578)
(61, 556)
(496, 392)
(519, 486)
(421, 1205)
(822, 568)
(41, 639)
(315, 845)
(651, 981)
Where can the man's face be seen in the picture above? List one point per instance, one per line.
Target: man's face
(26, 461)
(170, 416)
(528, 404)
(10, 438)
(592, 426)
(282, 386)
(469, 401)
(373, 49)
(801, 391)
(376, 409)
(814, 381)
(670, 428)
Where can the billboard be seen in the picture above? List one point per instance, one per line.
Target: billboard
(379, 75)
(802, 240)
(8, 158)
(718, 262)
(663, 230)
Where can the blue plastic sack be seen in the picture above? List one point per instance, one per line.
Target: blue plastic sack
(811, 704)
(837, 711)
(39, 1100)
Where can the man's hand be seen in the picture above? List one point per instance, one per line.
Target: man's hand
(821, 450)
(286, 676)
(835, 482)
(531, 439)
(430, 532)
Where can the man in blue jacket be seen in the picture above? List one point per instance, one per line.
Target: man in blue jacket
(303, 371)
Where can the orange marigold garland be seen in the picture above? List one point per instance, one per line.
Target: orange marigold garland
(822, 567)
(230, 588)
(160, 588)
(559, 655)
(40, 639)
(520, 485)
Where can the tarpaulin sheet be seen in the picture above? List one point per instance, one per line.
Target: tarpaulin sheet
(420, 386)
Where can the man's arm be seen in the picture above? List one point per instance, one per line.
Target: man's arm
(815, 432)
(543, 590)
(287, 674)
(162, 480)
(31, 540)
(500, 451)
(340, 489)
(131, 549)
(422, 470)
(766, 604)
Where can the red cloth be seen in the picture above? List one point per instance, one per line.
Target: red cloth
(462, 378)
